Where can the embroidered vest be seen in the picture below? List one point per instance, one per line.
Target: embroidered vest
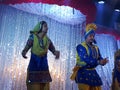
(39, 50)
(81, 62)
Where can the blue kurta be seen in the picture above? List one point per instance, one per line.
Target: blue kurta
(38, 63)
(87, 73)
(38, 69)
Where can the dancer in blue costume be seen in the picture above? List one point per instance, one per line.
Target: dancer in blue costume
(88, 58)
(116, 71)
(38, 76)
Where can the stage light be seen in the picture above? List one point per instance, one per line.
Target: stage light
(101, 2)
(117, 7)
(117, 10)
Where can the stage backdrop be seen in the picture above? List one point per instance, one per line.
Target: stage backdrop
(15, 26)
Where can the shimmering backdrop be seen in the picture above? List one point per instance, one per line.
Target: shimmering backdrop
(14, 31)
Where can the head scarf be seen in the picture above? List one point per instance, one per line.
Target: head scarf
(38, 27)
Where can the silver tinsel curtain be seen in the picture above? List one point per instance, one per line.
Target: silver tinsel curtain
(14, 31)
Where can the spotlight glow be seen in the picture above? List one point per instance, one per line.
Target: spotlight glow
(117, 10)
(101, 2)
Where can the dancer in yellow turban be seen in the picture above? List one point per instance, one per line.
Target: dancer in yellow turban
(88, 58)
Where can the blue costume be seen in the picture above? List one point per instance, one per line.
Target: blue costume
(87, 73)
(38, 76)
(38, 70)
(88, 57)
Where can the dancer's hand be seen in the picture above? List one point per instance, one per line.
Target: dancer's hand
(57, 54)
(24, 54)
(104, 61)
